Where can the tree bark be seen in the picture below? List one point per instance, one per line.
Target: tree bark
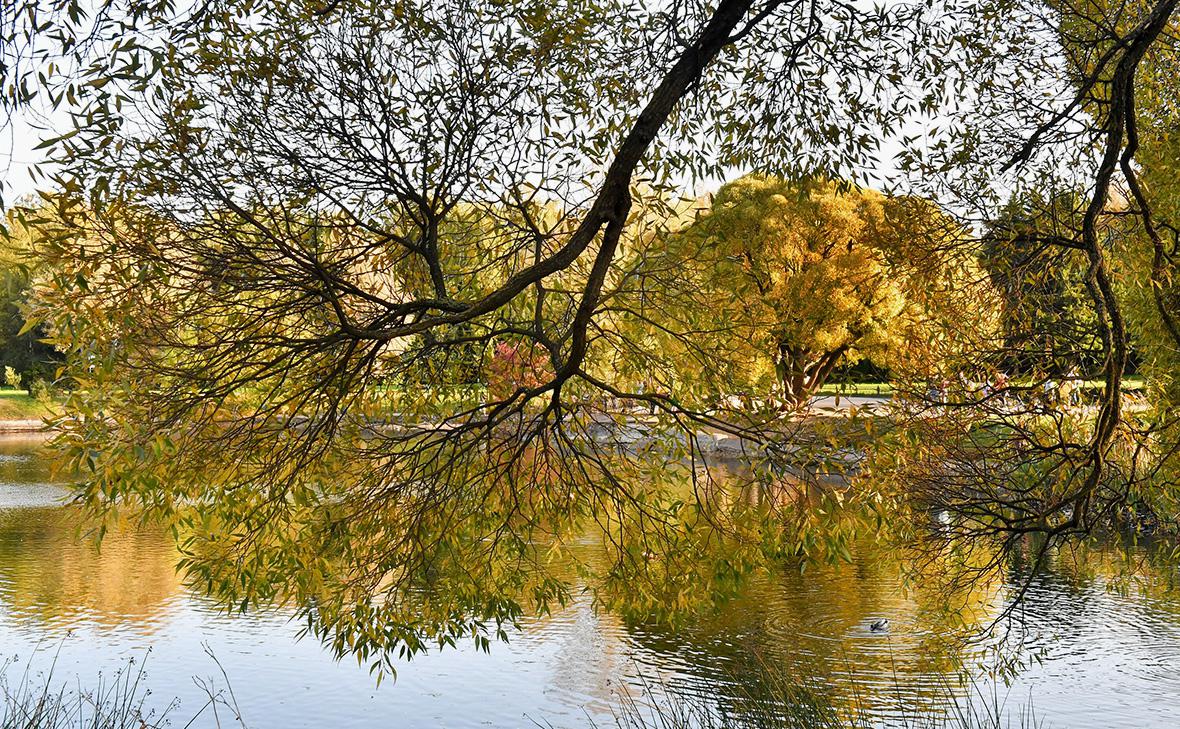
(801, 372)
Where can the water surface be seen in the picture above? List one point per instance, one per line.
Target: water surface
(1111, 660)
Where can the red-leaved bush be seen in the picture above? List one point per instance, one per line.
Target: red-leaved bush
(514, 365)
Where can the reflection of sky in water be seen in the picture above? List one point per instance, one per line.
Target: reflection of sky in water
(30, 495)
(1114, 661)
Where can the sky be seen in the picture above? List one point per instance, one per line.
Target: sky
(17, 153)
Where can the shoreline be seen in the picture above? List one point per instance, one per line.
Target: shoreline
(22, 425)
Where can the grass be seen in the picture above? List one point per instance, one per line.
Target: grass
(116, 701)
(856, 388)
(1133, 383)
(36, 702)
(17, 405)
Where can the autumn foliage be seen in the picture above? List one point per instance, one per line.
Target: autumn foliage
(513, 366)
(794, 280)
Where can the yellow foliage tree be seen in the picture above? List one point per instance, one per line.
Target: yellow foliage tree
(797, 279)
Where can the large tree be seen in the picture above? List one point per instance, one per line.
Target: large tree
(802, 278)
(1042, 469)
(259, 254)
(283, 229)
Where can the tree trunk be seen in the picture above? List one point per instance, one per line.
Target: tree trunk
(802, 372)
(791, 368)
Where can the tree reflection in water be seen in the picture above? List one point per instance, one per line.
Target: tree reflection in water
(808, 627)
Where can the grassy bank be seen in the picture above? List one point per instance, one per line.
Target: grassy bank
(862, 389)
(17, 405)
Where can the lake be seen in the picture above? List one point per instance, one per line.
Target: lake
(1105, 659)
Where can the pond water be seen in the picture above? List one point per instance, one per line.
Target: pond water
(1111, 660)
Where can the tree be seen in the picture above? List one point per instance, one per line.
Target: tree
(1146, 258)
(1146, 262)
(1048, 324)
(808, 276)
(258, 201)
(273, 243)
(23, 342)
(1043, 470)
